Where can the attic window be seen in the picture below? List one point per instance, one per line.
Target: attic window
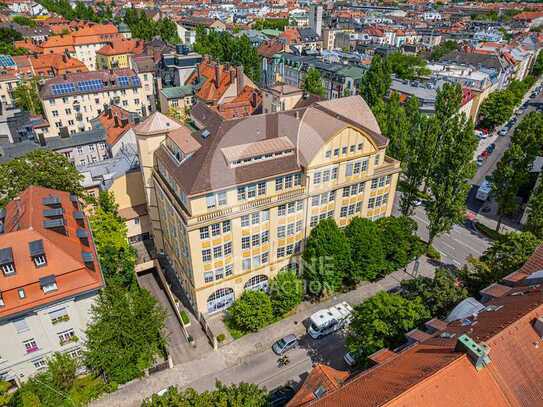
(6, 261)
(48, 284)
(51, 200)
(319, 392)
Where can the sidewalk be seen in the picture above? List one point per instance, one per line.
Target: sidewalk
(233, 354)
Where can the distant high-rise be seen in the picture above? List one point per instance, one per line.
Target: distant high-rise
(315, 18)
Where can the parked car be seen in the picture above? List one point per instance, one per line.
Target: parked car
(491, 148)
(480, 161)
(417, 202)
(480, 134)
(285, 344)
(485, 154)
(504, 131)
(326, 321)
(281, 396)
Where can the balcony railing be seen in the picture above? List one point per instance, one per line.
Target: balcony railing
(32, 350)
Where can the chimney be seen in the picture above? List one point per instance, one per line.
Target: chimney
(217, 74)
(64, 58)
(478, 353)
(116, 120)
(109, 112)
(240, 78)
(124, 122)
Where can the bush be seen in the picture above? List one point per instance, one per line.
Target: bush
(286, 292)
(185, 317)
(432, 253)
(252, 311)
(221, 338)
(488, 232)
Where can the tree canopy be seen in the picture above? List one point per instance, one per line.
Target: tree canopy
(440, 294)
(39, 167)
(124, 336)
(271, 23)
(382, 321)
(23, 20)
(376, 81)
(442, 49)
(7, 38)
(313, 82)
(252, 311)
(327, 258)
(235, 395)
(502, 258)
(286, 292)
(116, 256)
(226, 48)
(407, 66)
(27, 97)
(534, 223)
(145, 28)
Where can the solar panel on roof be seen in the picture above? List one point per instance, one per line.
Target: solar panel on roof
(122, 81)
(63, 88)
(135, 81)
(90, 85)
(7, 60)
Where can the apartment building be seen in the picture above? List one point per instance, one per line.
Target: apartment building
(117, 53)
(49, 280)
(232, 201)
(70, 102)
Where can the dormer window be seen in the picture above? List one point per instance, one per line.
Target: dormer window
(6, 261)
(37, 252)
(21, 292)
(48, 284)
(1, 301)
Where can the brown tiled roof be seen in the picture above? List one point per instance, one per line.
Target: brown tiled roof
(24, 223)
(133, 211)
(495, 290)
(269, 48)
(381, 355)
(184, 140)
(56, 64)
(308, 129)
(121, 46)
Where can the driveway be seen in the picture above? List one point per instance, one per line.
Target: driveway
(178, 347)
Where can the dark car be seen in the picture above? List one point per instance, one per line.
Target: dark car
(281, 396)
(491, 148)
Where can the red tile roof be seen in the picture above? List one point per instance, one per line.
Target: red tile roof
(321, 376)
(56, 64)
(116, 122)
(435, 372)
(120, 46)
(24, 223)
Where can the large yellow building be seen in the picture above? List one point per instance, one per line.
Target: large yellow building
(117, 53)
(233, 200)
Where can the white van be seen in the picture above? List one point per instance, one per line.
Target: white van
(483, 191)
(329, 320)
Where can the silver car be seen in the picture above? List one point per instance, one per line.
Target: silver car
(285, 344)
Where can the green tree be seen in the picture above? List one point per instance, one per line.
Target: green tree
(367, 251)
(497, 108)
(502, 258)
(511, 172)
(407, 66)
(235, 395)
(529, 136)
(442, 49)
(451, 168)
(117, 257)
(26, 96)
(252, 311)
(7, 38)
(5, 396)
(537, 68)
(23, 20)
(286, 292)
(63, 370)
(382, 321)
(124, 336)
(327, 258)
(313, 82)
(440, 294)
(394, 125)
(271, 23)
(399, 240)
(39, 167)
(534, 223)
(376, 81)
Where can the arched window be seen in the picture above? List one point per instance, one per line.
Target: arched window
(259, 282)
(220, 300)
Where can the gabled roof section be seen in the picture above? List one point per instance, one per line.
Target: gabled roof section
(155, 124)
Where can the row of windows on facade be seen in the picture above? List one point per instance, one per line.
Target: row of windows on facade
(246, 264)
(64, 337)
(253, 190)
(344, 150)
(42, 362)
(217, 252)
